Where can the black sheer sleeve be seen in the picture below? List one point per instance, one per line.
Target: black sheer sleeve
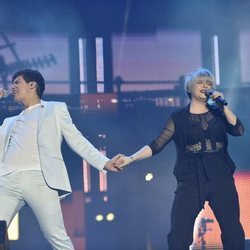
(164, 137)
(235, 130)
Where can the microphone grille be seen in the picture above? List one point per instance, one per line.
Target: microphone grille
(5, 93)
(209, 92)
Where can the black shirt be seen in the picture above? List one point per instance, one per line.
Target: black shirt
(201, 143)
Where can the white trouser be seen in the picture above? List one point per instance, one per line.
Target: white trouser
(29, 187)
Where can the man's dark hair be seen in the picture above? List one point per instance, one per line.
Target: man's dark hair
(30, 75)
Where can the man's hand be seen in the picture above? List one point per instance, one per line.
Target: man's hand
(112, 164)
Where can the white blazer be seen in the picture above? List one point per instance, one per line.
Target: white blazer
(54, 124)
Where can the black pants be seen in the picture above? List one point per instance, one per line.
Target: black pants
(223, 200)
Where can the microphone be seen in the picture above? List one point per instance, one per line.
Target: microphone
(5, 93)
(219, 99)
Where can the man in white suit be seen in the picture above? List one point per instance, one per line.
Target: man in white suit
(32, 170)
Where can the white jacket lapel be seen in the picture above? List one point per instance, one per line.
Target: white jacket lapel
(41, 115)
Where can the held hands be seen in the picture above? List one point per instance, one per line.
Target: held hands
(123, 161)
(118, 162)
(112, 165)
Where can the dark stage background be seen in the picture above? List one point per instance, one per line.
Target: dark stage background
(120, 65)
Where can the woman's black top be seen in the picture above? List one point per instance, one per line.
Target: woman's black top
(201, 143)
